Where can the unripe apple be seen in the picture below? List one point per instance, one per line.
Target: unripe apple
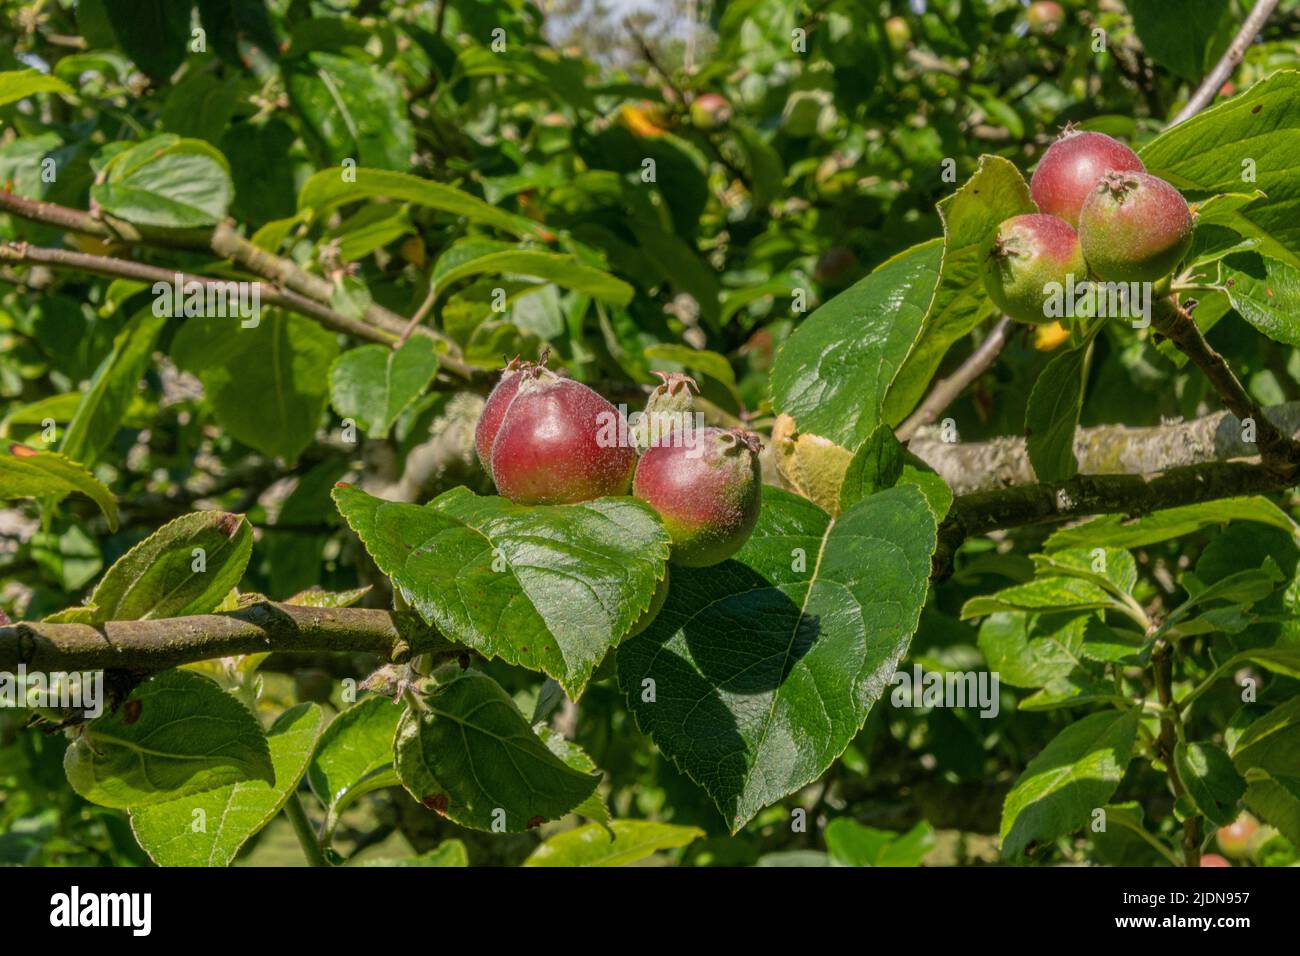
(710, 111)
(1024, 256)
(1213, 859)
(494, 409)
(1237, 839)
(1045, 17)
(1071, 168)
(708, 493)
(898, 33)
(560, 443)
(1134, 228)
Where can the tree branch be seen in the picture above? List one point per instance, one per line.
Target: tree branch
(971, 467)
(225, 242)
(1279, 451)
(1215, 79)
(148, 646)
(21, 253)
(1087, 495)
(946, 391)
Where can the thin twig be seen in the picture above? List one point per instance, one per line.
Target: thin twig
(1215, 79)
(225, 242)
(946, 390)
(21, 253)
(1170, 733)
(1278, 451)
(420, 314)
(302, 829)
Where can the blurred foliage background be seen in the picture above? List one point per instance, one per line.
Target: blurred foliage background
(844, 122)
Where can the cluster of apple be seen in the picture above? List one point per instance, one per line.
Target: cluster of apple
(1101, 216)
(548, 440)
(1240, 840)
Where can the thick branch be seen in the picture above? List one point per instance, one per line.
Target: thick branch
(971, 467)
(1215, 79)
(148, 646)
(1086, 495)
(20, 253)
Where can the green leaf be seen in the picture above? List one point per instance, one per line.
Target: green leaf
(875, 466)
(996, 192)
(1281, 659)
(112, 388)
(177, 734)
(20, 84)
(1116, 531)
(1184, 36)
(1076, 773)
(1053, 415)
(1266, 293)
(832, 373)
(559, 268)
(1240, 588)
(549, 588)
(1112, 569)
(374, 384)
(1222, 228)
(592, 844)
(228, 22)
(371, 228)
(1077, 687)
(268, 385)
(467, 751)
(1041, 594)
(593, 808)
(157, 578)
(353, 110)
(26, 473)
(1211, 780)
(328, 188)
(200, 107)
(446, 853)
(853, 844)
(166, 182)
(1206, 153)
(827, 609)
(59, 408)
(208, 829)
(1032, 650)
(701, 360)
(1267, 755)
(153, 33)
(355, 754)
(796, 858)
